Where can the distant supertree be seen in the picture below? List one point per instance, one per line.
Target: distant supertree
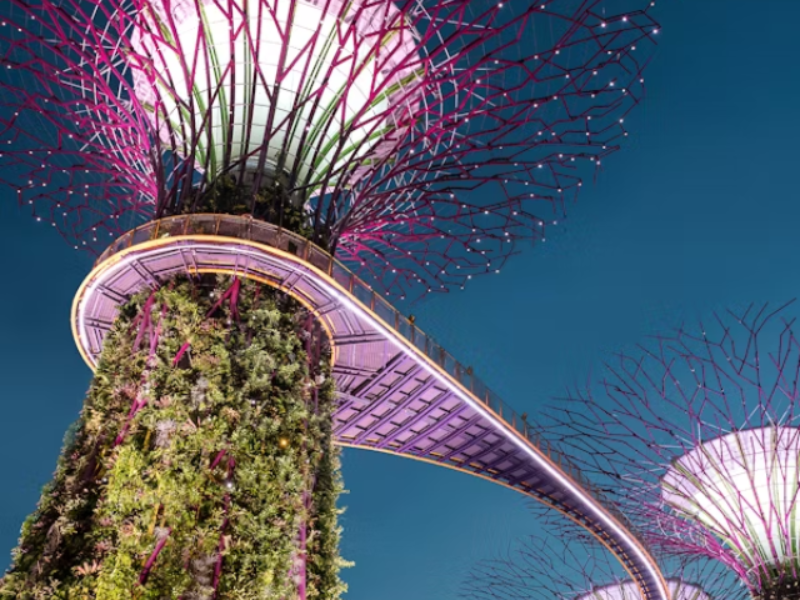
(415, 140)
(697, 435)
(562, 562)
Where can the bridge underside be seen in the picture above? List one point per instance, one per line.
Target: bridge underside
(404, 409)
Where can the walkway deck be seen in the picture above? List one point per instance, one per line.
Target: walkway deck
(399, 391)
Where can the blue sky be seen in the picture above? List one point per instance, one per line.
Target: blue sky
(700, 211)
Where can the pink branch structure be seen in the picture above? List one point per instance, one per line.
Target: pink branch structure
(420, 140)
(562, 562)
(696, 434)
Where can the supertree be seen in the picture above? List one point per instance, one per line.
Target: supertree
(413, 140)
(562, 562)
(696, 434)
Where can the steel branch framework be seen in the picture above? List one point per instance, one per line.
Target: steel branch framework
(421, 138)
(697, 434)
(561, 562)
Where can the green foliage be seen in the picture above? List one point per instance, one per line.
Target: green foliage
(271, 203)
(202, 492)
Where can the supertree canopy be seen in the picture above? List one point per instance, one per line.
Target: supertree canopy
(417, 140)
(697, 435)
(562, 562)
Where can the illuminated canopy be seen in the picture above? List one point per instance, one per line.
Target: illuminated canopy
(678, 590)
(299, 88)
(743, 487)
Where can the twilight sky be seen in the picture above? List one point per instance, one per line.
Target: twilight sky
(698, 212)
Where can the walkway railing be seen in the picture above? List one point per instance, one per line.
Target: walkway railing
(247, 228)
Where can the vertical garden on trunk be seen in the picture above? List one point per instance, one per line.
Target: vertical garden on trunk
(202, 465)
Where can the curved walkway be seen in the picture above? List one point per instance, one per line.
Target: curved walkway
(399, 391)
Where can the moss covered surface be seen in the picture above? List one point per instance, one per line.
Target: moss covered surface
(202, 465)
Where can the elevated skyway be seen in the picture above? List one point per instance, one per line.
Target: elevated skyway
(399, 392)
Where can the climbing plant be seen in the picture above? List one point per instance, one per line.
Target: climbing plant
(202, 465)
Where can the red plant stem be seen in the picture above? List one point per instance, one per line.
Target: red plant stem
(156, 334)
(180, 353)
(153, 556)
(218, 458)
(143, 320)
(221, 545)
(231, 293)
(140, 403)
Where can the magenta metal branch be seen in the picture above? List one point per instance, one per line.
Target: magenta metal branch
(422, 140)
(561, 561)
(696, 434)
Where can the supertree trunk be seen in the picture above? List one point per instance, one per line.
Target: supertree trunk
(202, 465)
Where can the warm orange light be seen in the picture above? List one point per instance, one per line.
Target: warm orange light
(283, 442)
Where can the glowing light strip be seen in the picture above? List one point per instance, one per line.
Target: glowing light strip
(354, 305)
(528, 448)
